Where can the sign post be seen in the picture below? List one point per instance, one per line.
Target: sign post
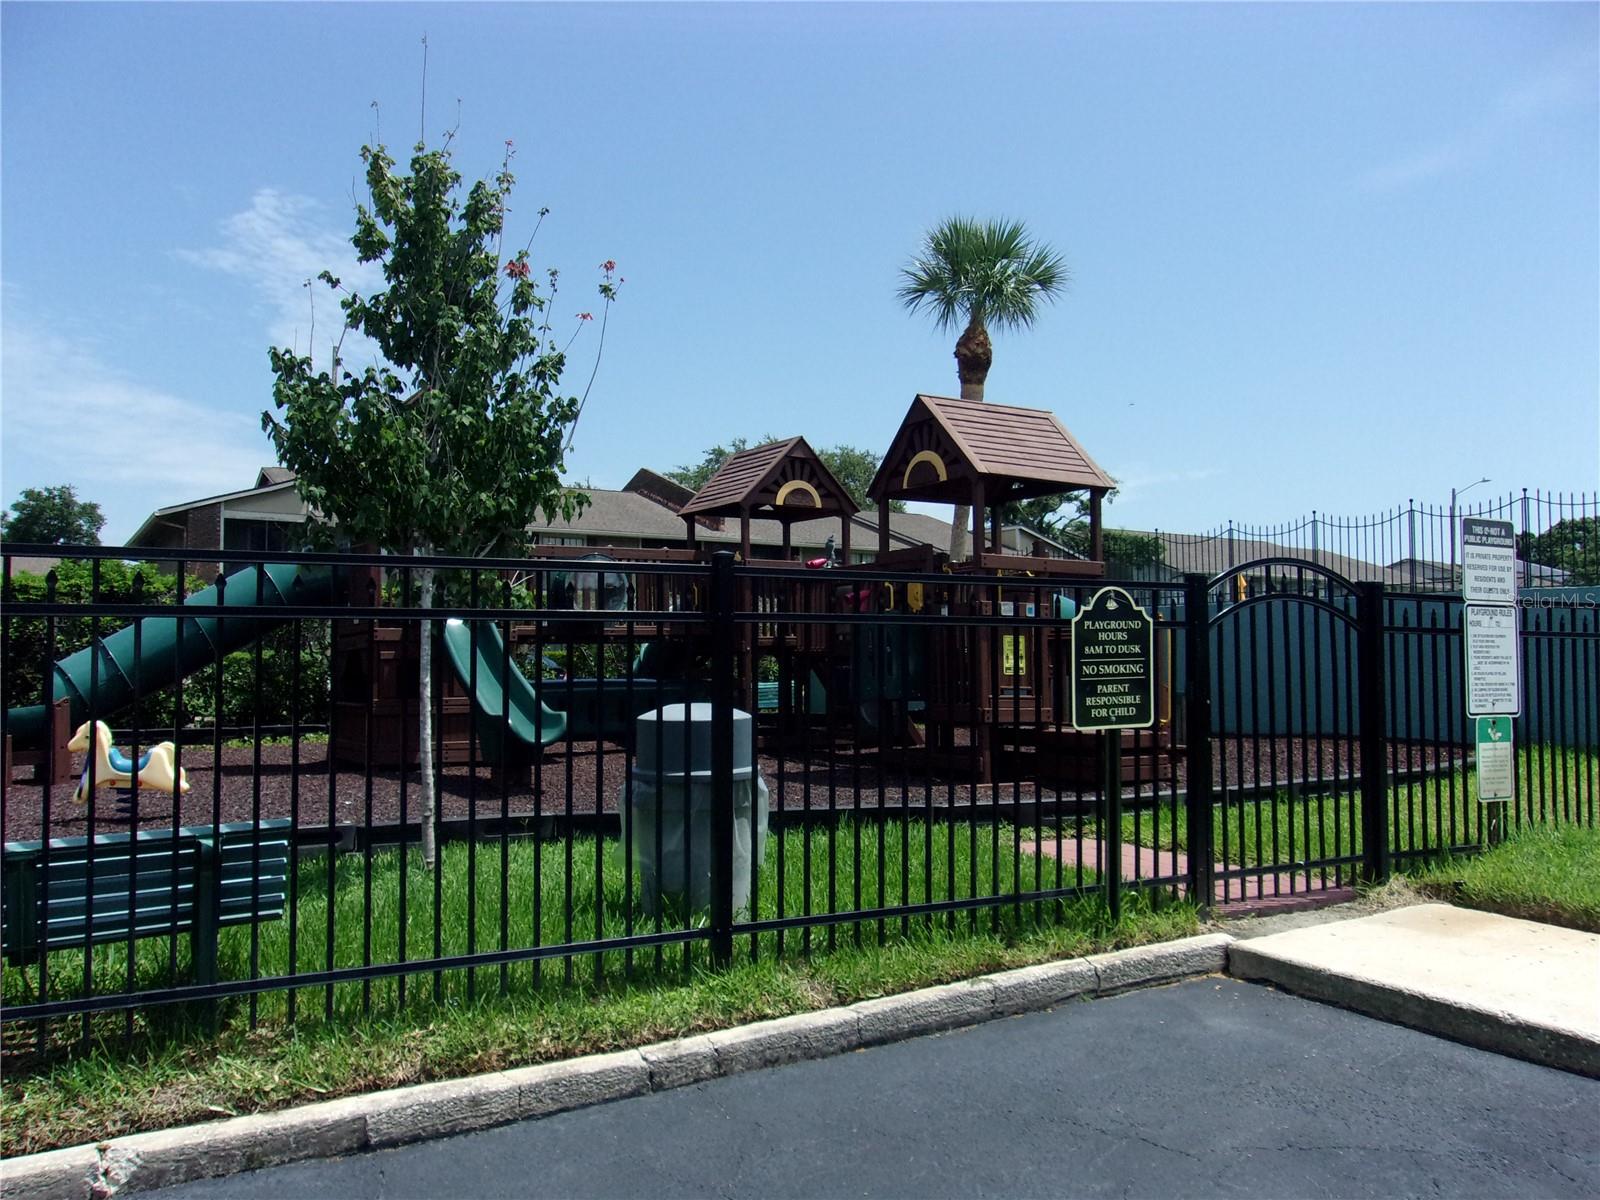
(1113, 688)
(1493, 674)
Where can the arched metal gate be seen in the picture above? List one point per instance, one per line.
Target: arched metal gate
(1287, 757)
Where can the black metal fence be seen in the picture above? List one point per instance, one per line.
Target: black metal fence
(1411, 547)
(908, 764)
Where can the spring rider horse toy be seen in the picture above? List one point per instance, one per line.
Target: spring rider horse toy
(113, 768)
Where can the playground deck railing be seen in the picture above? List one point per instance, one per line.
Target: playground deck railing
(911, 730)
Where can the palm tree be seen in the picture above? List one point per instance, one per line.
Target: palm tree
(973, 275)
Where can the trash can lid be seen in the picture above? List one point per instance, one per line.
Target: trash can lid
(675, 741)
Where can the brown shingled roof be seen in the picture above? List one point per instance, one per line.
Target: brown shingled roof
(1026, 449)
(754, 478)
(652, 485)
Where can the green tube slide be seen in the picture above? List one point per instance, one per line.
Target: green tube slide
(104, 677)
(515, 712)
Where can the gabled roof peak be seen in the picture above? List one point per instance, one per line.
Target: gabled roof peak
(945, 445)
(786, 477)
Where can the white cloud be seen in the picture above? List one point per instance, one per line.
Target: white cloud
(275, 246)
(1138, 482)
(1559, 84)
(68, 417)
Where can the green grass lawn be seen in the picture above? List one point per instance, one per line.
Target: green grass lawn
(1425, 815)
(1547, 874)
(356, 1037)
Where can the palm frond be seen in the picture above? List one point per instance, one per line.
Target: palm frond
(992, 270)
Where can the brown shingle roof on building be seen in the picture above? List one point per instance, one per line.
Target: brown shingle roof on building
(628, 517)
(654, 486)
(1212, 554)
(916, 527)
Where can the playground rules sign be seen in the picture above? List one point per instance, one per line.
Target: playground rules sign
(1113, 664)
(1493, 674)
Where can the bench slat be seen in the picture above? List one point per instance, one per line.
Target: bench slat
(74, 939)
(150, 899)
(114, 854)
(115, 878)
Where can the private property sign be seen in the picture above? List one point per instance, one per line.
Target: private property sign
(1488, 561)
(1113, 664)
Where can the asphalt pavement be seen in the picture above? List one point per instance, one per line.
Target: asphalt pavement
(1208, 1088)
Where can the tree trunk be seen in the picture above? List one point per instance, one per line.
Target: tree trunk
(430, 801)
(974, 356)
(961, 533)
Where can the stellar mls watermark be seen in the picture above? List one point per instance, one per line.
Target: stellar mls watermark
(1574, 603)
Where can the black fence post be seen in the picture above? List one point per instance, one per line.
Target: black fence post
(1374, 749)
(1197, 736)
(724, 653)
(1111, 819)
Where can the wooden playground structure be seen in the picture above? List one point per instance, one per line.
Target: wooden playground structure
(979, 696)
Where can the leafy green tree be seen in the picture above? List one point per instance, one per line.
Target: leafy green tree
(1044, 513)
(854, 468)
(54, 515)
(1571, 545)
(456, 441)
(1127, 552)
(851, 466)
(1065, 518)
(973, 276)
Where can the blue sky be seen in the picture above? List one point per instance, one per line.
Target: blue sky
(1323, 257)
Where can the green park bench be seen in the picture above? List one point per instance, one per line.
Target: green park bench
(195, 880)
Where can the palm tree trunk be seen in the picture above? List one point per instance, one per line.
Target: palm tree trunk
(430, 851)
(974, 356)
(961, 533)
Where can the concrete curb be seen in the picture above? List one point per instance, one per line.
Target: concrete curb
(1501, 1032)
(146, 1161)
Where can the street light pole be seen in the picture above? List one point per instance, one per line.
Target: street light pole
(1453, 494)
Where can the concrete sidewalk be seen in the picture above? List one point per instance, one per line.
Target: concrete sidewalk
(1515, 987)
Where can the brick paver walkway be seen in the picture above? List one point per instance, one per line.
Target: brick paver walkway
(1282, 891)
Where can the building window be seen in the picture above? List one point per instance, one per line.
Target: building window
(244, 533)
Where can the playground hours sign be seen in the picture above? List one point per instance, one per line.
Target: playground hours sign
(1113, 664)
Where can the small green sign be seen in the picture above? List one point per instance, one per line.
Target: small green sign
(1113, 664)
(1496, 778)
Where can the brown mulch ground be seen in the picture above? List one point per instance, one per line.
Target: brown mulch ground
(571, 777)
